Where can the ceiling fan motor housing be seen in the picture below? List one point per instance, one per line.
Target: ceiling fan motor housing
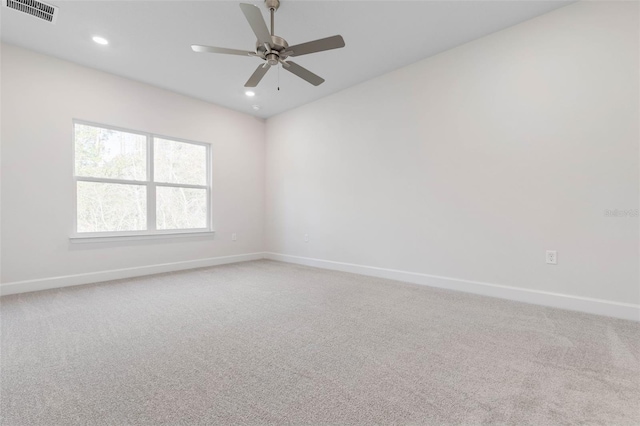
(278, 50)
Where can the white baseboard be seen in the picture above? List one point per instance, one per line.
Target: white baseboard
(556, 300)
(116, 274)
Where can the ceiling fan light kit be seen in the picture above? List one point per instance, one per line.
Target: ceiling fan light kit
(274, 50)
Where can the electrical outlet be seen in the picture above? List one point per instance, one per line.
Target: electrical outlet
(234, 237)
(306, 238)
(552, 257)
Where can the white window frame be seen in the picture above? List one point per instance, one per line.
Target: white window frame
(151, 186)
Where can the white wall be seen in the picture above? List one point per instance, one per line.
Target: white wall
(472, 163)
(40, 97)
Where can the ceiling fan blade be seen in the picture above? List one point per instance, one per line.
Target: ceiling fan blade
(304, 73)
(255, 19)
(212, 49)
(333, 42)
(257, 75)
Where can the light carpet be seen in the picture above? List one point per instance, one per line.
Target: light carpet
(265, 342)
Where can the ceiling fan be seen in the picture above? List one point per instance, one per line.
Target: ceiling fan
(274, 50)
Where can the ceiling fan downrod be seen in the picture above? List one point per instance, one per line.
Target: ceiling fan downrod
(272, 5)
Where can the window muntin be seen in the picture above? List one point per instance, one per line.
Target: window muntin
(134, 183)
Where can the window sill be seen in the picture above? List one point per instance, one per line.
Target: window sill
(82, 239)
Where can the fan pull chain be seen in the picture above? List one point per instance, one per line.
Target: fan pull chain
(279, 77)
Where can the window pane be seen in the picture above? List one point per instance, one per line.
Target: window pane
(110, 153)
(104, 207)
(181, 208)
(179, 162)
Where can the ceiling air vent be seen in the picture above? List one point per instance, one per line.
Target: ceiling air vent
(40, 10)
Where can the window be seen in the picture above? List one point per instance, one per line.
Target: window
(133, 183)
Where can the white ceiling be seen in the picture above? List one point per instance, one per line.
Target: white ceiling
(150, 41)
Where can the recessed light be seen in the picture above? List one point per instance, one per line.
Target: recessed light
(249, 93)
(255, 107)
(100, 40)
